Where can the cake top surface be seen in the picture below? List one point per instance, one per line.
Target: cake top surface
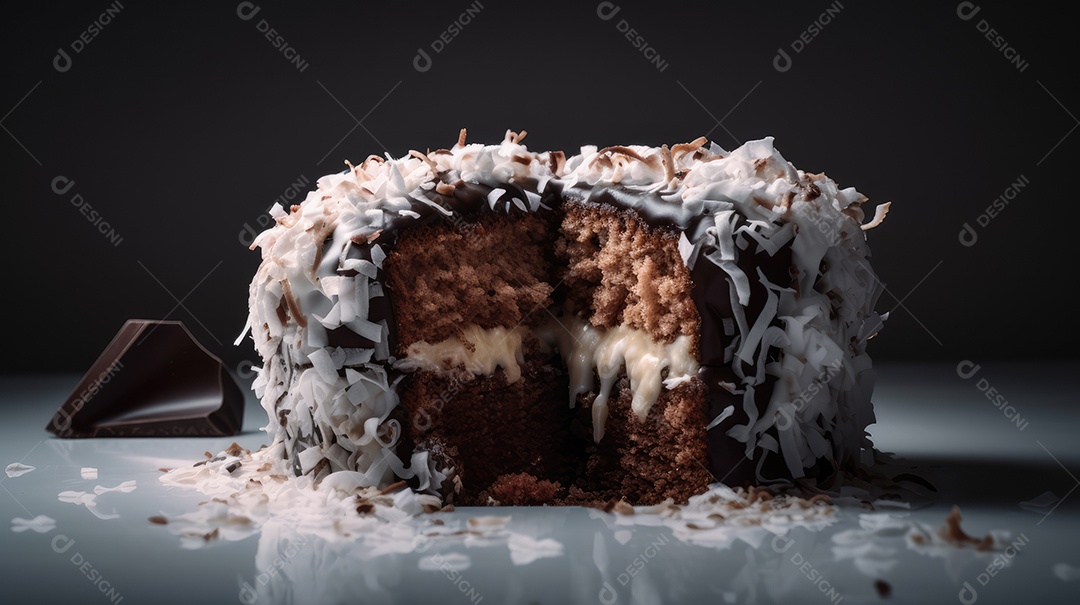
(673, 185)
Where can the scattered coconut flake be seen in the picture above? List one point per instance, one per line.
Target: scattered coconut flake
(1042, 504)
(73, 497)
(884, 524)
(722, 416)
(40, 524)
(87, 500)
(721, 516)
(489, 521)
(90, 500)
(89, 473)
(455, 560)
(124, 488)
(1066, 572)
(950, 536)
(869, 556)
(952, 533)
(524, 549)
(879, 216)
(211, 522)
(17, 469)
(263, 488)
(377, 255)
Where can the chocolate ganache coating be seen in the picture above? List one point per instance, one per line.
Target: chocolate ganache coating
(778, 259)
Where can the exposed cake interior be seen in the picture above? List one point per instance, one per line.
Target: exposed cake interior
(537, 346)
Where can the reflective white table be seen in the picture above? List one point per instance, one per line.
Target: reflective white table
(989, 439)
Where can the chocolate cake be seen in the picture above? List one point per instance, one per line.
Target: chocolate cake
(498, 326)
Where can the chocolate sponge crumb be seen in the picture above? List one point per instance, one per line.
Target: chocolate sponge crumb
(523, 489)
(520, 443)
(621, 271)
(490, 273)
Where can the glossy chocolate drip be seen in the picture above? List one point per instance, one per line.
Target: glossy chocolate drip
(712, 296)
(649, 205)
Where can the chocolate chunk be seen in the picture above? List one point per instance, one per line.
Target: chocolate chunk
(153, 380)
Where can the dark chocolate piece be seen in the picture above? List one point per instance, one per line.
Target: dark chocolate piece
(153, 380)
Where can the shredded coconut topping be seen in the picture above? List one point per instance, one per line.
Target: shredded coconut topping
(330, 406)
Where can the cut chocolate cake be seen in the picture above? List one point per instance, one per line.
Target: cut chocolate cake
(494, 325)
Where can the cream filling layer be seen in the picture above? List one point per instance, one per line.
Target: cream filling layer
(586, 350)
(478, 350)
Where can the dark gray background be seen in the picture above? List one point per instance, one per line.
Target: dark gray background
(181, 124)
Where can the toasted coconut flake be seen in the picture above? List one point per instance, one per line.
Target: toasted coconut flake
(952, 533)
(681, 149)
(294, 307)
(668, 162)
(416, 154)
(488, 521)
(393, 487)
(605, 154)
(557, 162)
(879, 216)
